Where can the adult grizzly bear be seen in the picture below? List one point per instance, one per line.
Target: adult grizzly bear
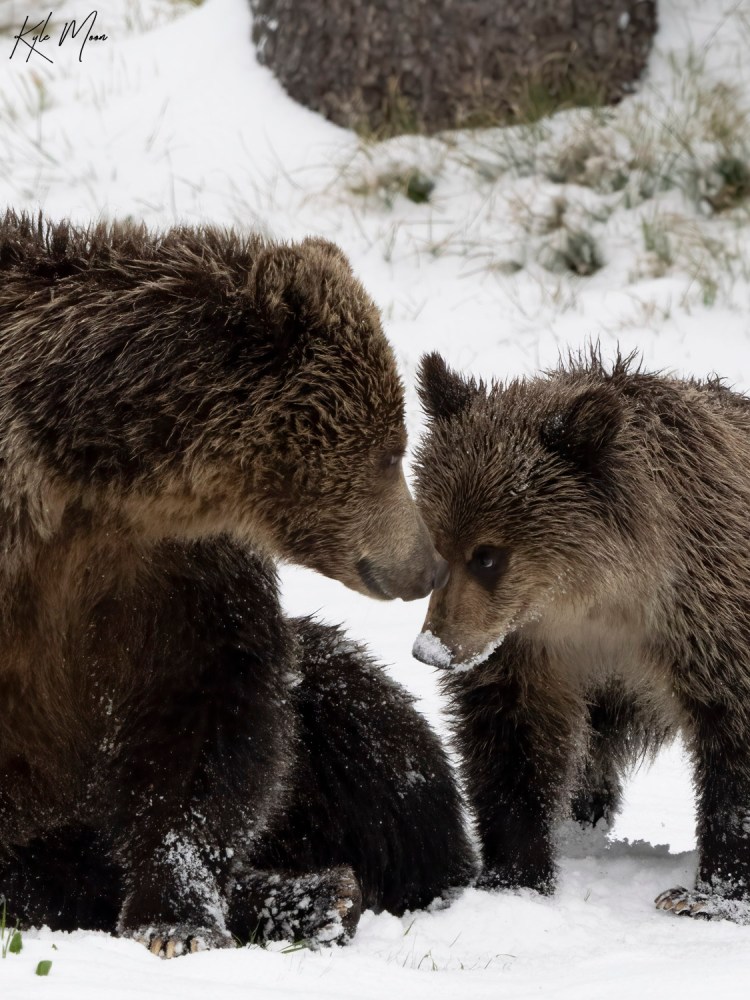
(595, 523)
(168, 402)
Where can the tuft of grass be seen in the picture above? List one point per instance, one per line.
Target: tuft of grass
(733, 174)
(576, 252)
(386, 186)
(11, 941)
(427, 957)
(709, 289)
(540, 98)
(43, 968)
(657, 241)
(296, 946)
(512, 151)
(571, 162)
(397, 117)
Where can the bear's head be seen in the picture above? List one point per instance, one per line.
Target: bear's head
(519, 487)
(327, 472)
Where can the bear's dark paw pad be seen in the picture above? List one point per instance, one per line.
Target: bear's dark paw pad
(705, 905)
(171, 942)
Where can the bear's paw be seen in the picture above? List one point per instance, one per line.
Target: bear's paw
(319, 908)
(171, 942)
(684, 902)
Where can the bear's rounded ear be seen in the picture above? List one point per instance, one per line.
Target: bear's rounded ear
(583, 430)
(442, 392)
(280, 291)
(326, 249)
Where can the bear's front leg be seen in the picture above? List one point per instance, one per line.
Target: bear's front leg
(721, 755)
(518, 730)
(202, 746)
(205, 768)
(174, 902)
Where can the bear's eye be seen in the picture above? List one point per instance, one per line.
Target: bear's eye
(488, 563)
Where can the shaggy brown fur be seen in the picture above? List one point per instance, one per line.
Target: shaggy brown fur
(194, 382)
(595, 523)
(175, 386)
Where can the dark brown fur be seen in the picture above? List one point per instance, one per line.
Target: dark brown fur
(193, 382)
(595, 522)
(365, 784)
(157, 389)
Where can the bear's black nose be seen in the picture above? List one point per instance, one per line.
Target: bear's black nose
(441, 575)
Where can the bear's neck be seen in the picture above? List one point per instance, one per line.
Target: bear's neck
(39, 505)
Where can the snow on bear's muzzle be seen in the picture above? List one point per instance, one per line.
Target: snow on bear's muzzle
(430, 649)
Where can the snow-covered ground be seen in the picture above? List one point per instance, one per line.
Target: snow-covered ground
(171, 119)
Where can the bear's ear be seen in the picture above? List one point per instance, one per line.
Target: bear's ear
(327, 249)
(583, 430)
(442, 392)
(281, 291)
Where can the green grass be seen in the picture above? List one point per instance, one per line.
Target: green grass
(11, 941)
(385, 186)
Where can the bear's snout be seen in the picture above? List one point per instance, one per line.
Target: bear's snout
(409, 585)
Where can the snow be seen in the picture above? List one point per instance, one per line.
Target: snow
(171, 119)
(430, 649)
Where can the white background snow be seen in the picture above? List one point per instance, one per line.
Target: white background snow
(172, 119)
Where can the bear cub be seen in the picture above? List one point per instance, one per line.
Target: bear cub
(595, 521)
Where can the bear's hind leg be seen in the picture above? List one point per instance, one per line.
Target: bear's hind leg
(621, 732)
(720, 748)
(319, 907)
(373, 788)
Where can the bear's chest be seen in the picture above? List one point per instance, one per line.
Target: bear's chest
(590, 651)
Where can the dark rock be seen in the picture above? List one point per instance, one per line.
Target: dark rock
(388, 67)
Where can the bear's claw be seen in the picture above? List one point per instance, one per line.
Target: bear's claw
(704, 905)
(685, 903)
(176, 941)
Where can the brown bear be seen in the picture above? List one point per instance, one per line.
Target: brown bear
(177, 409)
(595, 523)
